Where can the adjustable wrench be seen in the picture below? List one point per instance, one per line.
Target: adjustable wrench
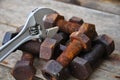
(33, 29)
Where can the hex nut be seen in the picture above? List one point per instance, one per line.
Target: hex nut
(80, 68)
(89, 30)
(107, 42)
(51, 20)
(23, 70)
(52, 70)
(47, 48)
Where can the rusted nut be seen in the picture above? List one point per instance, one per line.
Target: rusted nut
(92, 58)
(79, 42)
(58, 20)
(54, 68)
(50, 47)
(24, 69)
(76, 20)
(47, 48)
(108, 42)
(80, 68)
(87, 29)
(8, 36)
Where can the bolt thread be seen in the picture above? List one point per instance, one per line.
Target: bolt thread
(67, 27)
(69, 53)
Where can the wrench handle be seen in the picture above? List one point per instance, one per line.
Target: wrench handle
(13, 44)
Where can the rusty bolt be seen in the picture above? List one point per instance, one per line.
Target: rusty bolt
(24, 69)
(104, 47)
(47, 48)
(82, 67)
(79, 42)
(76, 20)
(58, 20)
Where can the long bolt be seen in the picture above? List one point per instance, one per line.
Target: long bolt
(79, 42)
(65, 26)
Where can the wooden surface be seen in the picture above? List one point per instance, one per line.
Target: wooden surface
(111, 6)
(13, 13)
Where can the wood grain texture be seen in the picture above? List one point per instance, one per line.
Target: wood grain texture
(14, 14)
(111, 6)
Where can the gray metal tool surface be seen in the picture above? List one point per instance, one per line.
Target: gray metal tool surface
(33, 29)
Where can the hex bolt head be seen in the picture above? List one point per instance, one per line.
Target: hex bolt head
(47, 48)
(89, 30)
(107, 42)
(85, 41)
(51, 20)
(24, 68)
(51, 70)
(80, 68)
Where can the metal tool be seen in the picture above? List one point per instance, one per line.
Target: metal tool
(33, 28)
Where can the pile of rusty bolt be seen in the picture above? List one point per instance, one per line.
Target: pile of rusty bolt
(76, 48)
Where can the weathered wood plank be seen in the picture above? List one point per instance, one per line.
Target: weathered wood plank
(105, 23)
(111, 6)
(100, 74)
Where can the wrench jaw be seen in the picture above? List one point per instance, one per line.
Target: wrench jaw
(39, 15)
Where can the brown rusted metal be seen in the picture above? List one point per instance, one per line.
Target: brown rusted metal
(58, 20)
(47, 48)
(33, 47)
(24, 69)
(80, 68)
(61, 37)
(70, 52)
(79, 41)
(93, 58)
